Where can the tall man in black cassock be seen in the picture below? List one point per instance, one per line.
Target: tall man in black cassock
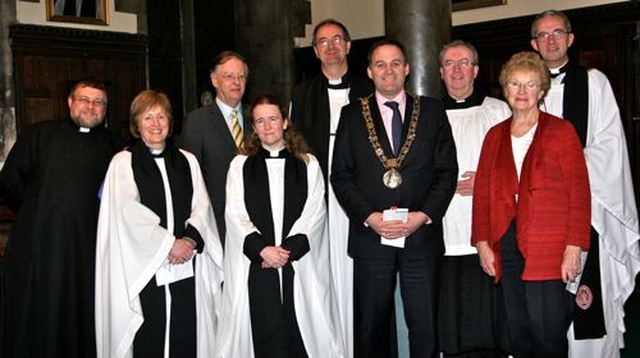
(52, 178)
(315, 110)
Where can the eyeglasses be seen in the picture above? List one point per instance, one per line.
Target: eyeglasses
(462, 64)
(87, 101)
(528, 86)
(229, 77)
(324, 42)
(544, 36)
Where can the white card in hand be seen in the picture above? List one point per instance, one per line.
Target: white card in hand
(400, 214)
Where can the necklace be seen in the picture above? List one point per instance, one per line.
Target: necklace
(392, 178)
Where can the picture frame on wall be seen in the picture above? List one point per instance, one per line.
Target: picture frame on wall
(93, 12)
(459, 5)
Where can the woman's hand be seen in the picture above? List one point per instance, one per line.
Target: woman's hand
(181, 252)
(571, 263)
(274, 257)
(487, 258)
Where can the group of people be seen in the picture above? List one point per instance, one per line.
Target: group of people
(511, 226)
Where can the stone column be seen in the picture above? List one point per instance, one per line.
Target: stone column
(265, 33)
(423, 27)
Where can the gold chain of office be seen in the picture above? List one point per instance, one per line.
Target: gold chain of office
(392, 177)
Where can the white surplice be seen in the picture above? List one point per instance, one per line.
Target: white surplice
(468, 127)
(314, 306)
(132, 247)
(613, 210)
(338, 222)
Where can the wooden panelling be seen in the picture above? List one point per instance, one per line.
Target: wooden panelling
(47, 60)
(606, 38)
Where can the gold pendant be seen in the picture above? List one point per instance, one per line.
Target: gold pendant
(392, 178)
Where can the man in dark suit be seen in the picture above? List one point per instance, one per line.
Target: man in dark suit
(213, 133)
(383, 164)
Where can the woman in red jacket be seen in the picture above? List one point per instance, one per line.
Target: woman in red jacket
(531, 211)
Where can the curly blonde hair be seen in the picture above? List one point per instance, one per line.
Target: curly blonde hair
(526, 61)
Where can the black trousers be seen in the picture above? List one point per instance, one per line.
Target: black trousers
(374, 285)
(538, 312)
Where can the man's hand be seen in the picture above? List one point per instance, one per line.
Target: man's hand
(394, 229)
(465, 187)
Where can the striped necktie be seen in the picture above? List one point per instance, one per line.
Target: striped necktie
(235, 128)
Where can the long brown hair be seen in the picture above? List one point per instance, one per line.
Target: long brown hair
(293, 140)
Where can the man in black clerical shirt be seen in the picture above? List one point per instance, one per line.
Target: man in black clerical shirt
(52, 178)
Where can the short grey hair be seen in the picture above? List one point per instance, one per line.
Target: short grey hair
(549, 13)
(460, 43)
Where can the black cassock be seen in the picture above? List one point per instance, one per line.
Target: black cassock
(52, 176)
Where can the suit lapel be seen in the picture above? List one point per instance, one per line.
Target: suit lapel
(220, 125)
(247, 128)
(408, 111)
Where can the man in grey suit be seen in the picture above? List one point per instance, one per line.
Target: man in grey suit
(213, 133)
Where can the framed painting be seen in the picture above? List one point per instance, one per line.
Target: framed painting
(92, 12)
(459, 5)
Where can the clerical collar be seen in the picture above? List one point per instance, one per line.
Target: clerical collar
(474, 100)
(157, 153)
(555, 72)
(274, 154)
(80, 128)
(337, 84)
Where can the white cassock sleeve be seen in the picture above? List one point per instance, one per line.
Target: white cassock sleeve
(131, 247)
(234, 334)
(315, 304)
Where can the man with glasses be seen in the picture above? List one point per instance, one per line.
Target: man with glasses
(315, 110)
(214, 133)
(52, 178)
(467, 323)
(586, 99)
